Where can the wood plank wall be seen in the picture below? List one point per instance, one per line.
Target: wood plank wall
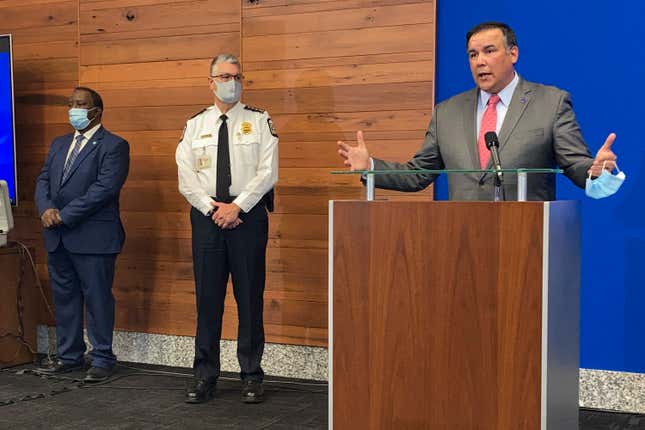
(323, 69)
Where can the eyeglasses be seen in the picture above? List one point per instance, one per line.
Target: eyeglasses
(227, 77)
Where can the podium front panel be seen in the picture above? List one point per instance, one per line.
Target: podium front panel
(442, 315)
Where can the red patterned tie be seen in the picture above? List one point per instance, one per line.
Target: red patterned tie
(489, 123)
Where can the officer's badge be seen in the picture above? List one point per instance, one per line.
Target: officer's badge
(246, 127)
(272, 127)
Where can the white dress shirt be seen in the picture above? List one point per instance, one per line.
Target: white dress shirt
(253, 150)
(86, 138)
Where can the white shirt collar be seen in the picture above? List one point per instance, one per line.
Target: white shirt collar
(505, 95)
(232, 112)
(89, 133)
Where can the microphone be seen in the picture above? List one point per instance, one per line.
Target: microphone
(492, 143)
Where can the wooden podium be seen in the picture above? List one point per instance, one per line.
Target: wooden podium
(453, 315)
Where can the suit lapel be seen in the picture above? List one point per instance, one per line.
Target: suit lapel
(519, 101)
(470, 112)
(89, 147)
(521, 98)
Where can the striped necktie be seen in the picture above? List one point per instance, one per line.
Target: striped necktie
(72, 157)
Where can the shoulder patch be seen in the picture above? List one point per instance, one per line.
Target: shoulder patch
(272, 127)
(198, 113)
(254, 109)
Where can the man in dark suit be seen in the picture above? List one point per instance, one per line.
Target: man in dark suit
(77, 196)
(536, 125)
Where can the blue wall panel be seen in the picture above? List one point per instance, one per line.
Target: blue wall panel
(7, 162)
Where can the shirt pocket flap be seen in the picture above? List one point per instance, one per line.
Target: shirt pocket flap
(201, 143)
(248, 139)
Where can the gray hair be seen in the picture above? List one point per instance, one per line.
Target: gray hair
(225, 58)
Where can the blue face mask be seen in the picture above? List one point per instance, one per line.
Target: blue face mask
(604, 185)
(78, 118)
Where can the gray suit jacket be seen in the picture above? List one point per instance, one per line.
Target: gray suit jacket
(539, 131)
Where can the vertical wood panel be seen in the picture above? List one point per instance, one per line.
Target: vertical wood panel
(322, 69)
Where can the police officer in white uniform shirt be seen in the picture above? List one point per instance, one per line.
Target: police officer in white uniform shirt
(228, 164)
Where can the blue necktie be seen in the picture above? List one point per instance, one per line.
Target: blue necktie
(72, 157)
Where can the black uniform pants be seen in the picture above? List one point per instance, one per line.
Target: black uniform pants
(242, 253)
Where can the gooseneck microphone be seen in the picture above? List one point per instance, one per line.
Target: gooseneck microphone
(492, 143)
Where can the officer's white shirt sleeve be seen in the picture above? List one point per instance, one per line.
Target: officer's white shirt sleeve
(267, 168)
(189, 184)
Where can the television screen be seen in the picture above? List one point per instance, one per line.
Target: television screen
(7, 135)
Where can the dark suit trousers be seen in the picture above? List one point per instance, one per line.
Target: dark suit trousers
(242, 253)
(78, 279)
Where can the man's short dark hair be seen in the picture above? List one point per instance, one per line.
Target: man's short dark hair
(97, 101)
(507, 31)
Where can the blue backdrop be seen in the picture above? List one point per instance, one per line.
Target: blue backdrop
(6, 125)
(594, 51)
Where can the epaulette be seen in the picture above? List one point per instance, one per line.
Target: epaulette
(254, 109)
(183, 133)
(198, 113)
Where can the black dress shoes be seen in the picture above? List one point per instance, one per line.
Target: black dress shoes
(201, 390)
(98, 374)
(57, 367)
(252, 392)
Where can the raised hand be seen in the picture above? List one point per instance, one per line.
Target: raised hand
(356, 157)
(605, 157)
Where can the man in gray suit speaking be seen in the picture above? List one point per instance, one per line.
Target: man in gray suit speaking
(536, 125)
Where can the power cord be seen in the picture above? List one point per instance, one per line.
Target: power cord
(25, 256)
(20, 336)
(76, 383)
(24, 250)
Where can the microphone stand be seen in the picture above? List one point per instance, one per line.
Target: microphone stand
(500, 194)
